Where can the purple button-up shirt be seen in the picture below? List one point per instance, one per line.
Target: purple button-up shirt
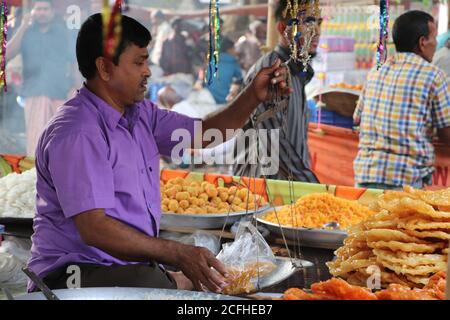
(91, 157)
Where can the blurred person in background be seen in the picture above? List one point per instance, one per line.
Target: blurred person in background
(235, 88)
(176, 56)
(402, 107)
(161, 29)
(44, 43)
(229, 69)
(249, 46)
(442, 60)
(294, 157)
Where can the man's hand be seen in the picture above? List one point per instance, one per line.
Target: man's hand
(27, 20)
(267, 78)
(124, 242)
(258, 91)
(201, 267)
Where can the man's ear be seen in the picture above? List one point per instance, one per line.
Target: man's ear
(103, 68)
(421, 44)
(281, 26)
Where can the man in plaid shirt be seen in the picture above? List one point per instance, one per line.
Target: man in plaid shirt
(402, 107)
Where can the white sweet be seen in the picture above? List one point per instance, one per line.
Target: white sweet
(18, 195)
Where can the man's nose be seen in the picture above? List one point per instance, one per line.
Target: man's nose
(148, 72)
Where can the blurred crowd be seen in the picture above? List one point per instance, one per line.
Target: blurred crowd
(42, 68)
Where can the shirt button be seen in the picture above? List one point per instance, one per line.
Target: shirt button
(150, 169)
(142, 171)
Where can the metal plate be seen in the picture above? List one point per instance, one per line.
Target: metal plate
(285, 269)
(205, 221)
(127, 294)
(315, 238)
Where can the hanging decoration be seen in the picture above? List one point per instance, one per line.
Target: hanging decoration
(384, 32)
(112, 28)
(212, 56)
(3, 41)
(301, 28)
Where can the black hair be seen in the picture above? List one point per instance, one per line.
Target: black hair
(281, 6)
(409, 28)
(90, 42)
(226, 44)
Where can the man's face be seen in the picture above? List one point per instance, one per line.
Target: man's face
(129, 77)
(261, 33)
(428, 44)
(302, 29)
(43, 12)
(316, 38)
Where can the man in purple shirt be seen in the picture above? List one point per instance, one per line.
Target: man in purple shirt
(98, 191)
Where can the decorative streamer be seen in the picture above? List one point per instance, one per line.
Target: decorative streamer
(3, 42)
(300, 25)
(212, 57)
(112, 28)
(384, 32)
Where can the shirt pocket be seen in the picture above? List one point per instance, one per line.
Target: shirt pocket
(125, 177)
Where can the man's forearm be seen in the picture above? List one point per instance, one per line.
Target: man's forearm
(122, 241)
(15, 43)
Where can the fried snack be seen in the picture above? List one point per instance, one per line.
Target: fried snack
(240, 279)
(415, 223)
(438, 234)
(338, 289)
(406, 247)
(316, 210)
(434, 290)
(390, 235)
(183, 196)
(434, 198)
(407, 239)
(409, 259)
(333, 289)
(405, 205)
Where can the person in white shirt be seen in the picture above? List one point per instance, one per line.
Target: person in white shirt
(442, 59)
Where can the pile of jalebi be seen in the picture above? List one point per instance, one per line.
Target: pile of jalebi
(338, 289)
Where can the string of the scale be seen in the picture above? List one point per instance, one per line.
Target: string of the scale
(303, 56)
(296, 56)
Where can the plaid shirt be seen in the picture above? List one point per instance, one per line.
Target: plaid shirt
(399, 111)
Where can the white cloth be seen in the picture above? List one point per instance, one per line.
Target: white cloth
(442, 60)
(199, 104)
(38, 112)
(184, 107)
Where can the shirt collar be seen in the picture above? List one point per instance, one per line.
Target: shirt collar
(410, 57)
(111, 115)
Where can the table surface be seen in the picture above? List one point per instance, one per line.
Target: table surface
(301, 279)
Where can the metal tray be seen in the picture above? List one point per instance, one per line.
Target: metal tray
(308, 237)
(286, 267)
(127, 294)
(205, 221)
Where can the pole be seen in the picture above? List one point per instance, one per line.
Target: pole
(272, 32)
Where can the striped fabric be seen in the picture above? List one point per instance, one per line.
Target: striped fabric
(293, 153)
(399, 111)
